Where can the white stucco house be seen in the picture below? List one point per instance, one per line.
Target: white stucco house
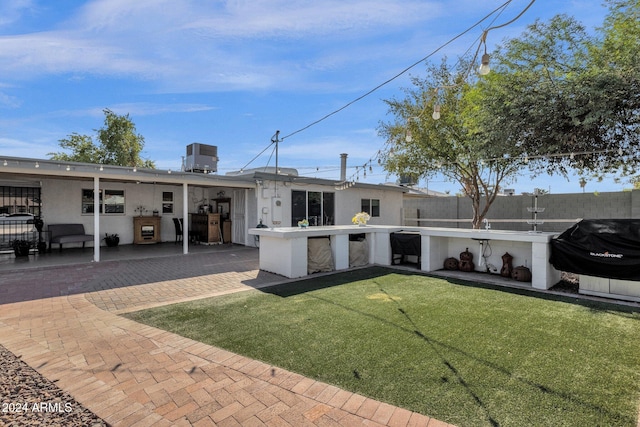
(63, 192)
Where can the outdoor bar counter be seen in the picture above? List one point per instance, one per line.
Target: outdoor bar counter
(284, 250)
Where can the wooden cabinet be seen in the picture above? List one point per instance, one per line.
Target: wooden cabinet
(226, 231)
(146, 230)
(207, 227)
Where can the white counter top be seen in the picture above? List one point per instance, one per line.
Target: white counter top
(298, 232)
(329, 230)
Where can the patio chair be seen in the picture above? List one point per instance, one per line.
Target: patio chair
(177, 223)
(194, 236)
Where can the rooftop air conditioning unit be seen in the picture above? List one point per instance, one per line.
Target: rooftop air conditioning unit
(201, 158)
(407, 180)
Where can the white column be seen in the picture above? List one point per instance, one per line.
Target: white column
(425, 253)
(96, 219)
(287, 257)
(381, 245)
(340, 251)
(543, 274)
(185, 218)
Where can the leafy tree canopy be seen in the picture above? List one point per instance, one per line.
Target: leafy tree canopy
(453, 145)
(567, 100)
(556, 100)
(119, 144)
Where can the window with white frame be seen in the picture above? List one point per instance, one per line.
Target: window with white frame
(371, 206)
(167, 202)
(110, 201)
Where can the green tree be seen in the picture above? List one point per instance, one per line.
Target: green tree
(556, 94)
(82, 149)
(454, 145)
(120, 144)
(621, 37)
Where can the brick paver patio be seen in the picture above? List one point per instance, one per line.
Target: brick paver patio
(63, 321)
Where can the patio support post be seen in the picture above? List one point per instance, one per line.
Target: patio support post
(96, 219)
(185, 218)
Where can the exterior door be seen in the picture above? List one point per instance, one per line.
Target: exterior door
(238, 217)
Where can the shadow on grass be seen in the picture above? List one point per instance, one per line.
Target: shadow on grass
(313, 283)
(596, 306)
(435, 344)
(327, 281)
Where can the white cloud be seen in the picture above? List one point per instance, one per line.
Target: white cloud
(209, 45)
(22, 148)
(149, 109)
(133, 109)
(300, 19)
(9, 101)
(191, 45)
(12, 10)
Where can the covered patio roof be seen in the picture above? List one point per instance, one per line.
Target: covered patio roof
(32, 169)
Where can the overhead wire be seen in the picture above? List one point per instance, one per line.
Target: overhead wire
(482, 39)
(404, 71)
(396, 76)
(497, 10)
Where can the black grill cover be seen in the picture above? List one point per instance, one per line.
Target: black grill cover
(406, 243)
(599, 247)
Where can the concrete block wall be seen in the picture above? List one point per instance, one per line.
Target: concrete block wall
(567, 207)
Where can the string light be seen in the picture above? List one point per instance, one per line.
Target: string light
(436, 112)
(484, 66)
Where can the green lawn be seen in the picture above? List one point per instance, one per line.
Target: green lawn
(467, 354)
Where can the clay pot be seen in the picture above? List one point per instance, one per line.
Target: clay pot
(507, 266)
(521, 274)
(466, 261)
(451, 264)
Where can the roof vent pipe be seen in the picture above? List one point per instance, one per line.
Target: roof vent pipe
(343, 167)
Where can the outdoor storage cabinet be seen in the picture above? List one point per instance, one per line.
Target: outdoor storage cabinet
(207, 227)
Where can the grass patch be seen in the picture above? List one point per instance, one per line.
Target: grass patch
(466, 354)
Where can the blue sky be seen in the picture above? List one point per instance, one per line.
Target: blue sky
(231, 73)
